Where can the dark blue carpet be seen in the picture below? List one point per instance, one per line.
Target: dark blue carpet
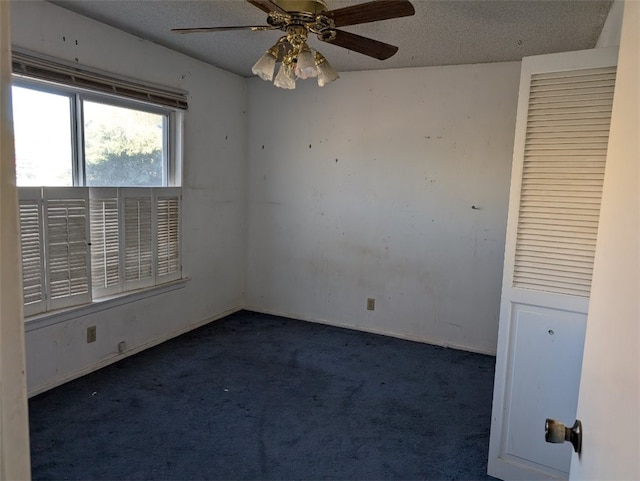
(254, 396)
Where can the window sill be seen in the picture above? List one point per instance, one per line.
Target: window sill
(45, 319)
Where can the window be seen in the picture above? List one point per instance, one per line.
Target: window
(64, 138)
(98, 180)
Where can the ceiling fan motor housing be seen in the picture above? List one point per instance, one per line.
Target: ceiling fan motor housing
(313, 7)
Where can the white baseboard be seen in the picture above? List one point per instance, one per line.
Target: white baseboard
(424, 340)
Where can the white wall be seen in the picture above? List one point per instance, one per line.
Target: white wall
(379, 205)
(214, 193)
(609, 403)
(365, 188)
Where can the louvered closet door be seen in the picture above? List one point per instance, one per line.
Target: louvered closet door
(560, 147)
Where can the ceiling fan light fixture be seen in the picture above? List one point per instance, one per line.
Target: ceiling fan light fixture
(266, 65)
(306, 64)
(326, 73)
(298, 61)
(286, 78)
(299, 18)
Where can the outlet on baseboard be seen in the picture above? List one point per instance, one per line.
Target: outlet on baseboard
(371, 304)
(91, 334)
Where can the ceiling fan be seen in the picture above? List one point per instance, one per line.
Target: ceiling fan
(298, 18)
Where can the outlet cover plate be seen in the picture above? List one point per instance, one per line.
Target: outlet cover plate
(371, 304)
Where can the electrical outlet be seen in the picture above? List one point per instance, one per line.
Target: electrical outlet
(91, 334)
(371, 304)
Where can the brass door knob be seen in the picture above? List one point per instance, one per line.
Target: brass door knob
(557, 432)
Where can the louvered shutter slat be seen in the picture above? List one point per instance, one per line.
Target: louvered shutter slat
(595, 73)
(563, 171)
(556, 101)
(562, 118)
(138, 239)
(570, 122)
(556, 191)
(543, 257)
(105, 242)
(570, 134)
(31, 242)
(67, 246)
(573, 268)
(168, 228)
(555, 87)
(562, 81)
(584, 128)
(585, 239)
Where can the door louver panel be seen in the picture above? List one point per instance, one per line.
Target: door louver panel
(168, 239)
(563, 171)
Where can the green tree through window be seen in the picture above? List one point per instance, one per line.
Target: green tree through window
(123, 147)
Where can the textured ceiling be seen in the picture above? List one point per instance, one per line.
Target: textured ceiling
(441, 33)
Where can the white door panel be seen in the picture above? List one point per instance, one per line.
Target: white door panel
(542, 382)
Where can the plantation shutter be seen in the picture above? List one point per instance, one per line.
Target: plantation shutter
(105, 242)
(138, 237)
(67, 256)
(31, 242)
(80, 244)
(565, 152)
(168, 234)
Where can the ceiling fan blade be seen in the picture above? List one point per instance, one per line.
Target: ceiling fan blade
(267, 6)
(357, 43)
(222, 29)
(370, 12)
